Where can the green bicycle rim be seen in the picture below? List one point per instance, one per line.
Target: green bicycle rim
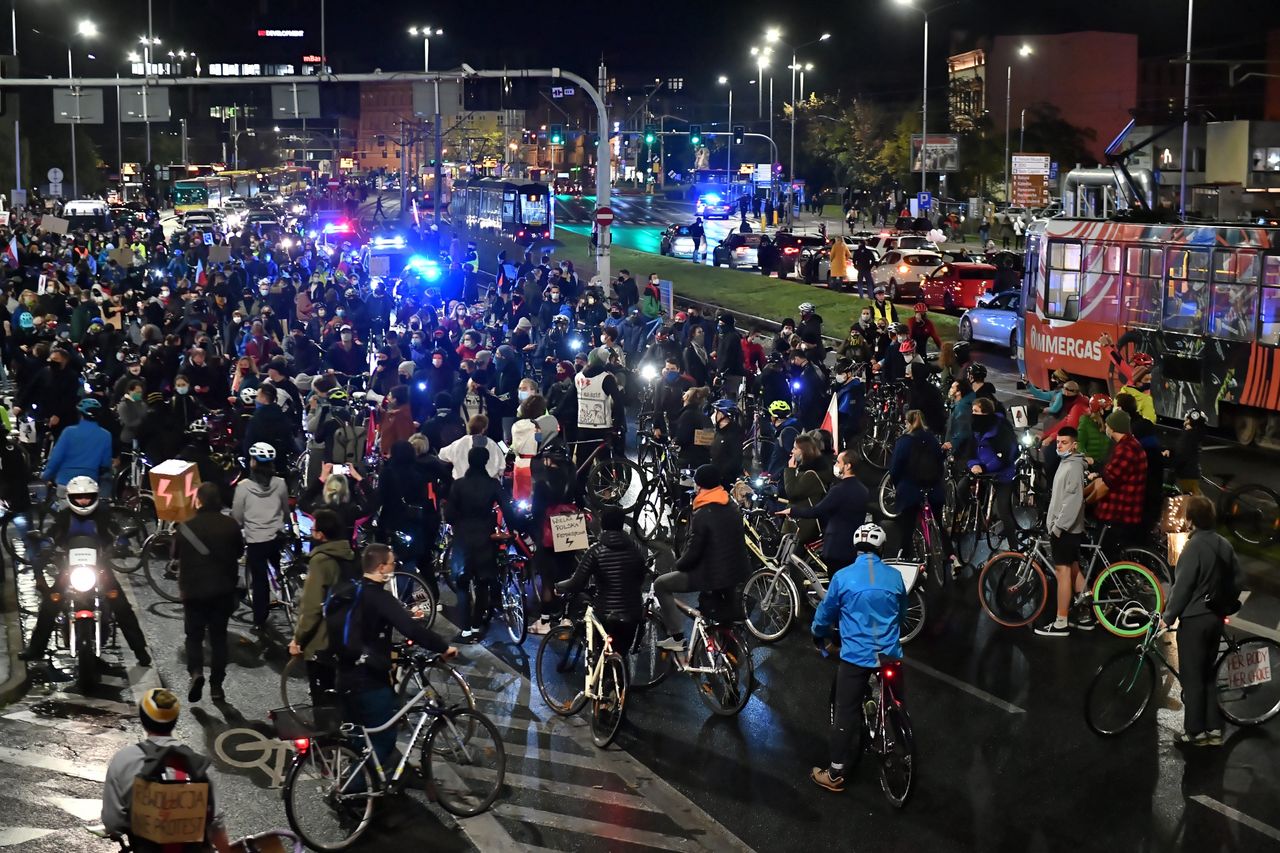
(1099, 607)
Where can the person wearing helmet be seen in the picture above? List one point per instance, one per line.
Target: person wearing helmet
(978, 382)
(158, 711)
(1132, 378)
(809, 328)
(1091, 431)
(850, 391)
(715, 555)
(84, 518)
(865, 604)
(922, 330)
(882, 309)
(775, 455)
(726, 445)
(892, 366)
(261, 506)
(1184, 456)
(84, 449)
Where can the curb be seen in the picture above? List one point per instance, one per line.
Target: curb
(16, 684)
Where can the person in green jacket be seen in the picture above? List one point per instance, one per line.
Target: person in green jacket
(1091, 438)
(805, 482)
(331, 560)
(651, 299)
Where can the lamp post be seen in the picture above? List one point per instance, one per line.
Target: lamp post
(17, 139)
(1024, 51)
(924, 97)
(87, 29)
(1186, 106)
(425, 33)
(808, 66)
(724, 81)
(775, 35)
(762, 62)
(148, 42)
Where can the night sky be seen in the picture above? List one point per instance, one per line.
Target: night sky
(875, 49)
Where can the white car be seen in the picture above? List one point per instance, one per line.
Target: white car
(901, 272)
(888, 242)
(198, 222)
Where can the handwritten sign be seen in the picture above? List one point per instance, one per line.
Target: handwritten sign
(122, 256)
(219, 254)
(568, 532)
(1249, 668)
(54, 224)
(169, 812)
(703, 437)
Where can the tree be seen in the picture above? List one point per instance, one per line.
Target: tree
(1049, 133)
(893, 157)
(844, 141)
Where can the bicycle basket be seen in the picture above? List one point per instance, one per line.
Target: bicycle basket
(305, 721)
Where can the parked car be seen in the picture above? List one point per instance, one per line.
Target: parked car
(792, 245)
(900, 272)
(676, 241)
(958, 285)
(994, 321)
(737, 251)
(882, 243)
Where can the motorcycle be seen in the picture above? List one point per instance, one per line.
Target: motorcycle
(86, 618)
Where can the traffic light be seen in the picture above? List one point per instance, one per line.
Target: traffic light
(557, 134)
(739, 134)
(650, 134)
(695, 135)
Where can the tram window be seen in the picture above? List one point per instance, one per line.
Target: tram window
(1186, 294)
(1111, 259)
(1062, 294)
(1269, 310)
(1235, 295)
(1140, 295)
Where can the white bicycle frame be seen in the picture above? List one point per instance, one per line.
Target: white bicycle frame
(697, 638)
(595, 674)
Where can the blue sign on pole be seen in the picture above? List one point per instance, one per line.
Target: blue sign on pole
(924, 201)
(1053, 171)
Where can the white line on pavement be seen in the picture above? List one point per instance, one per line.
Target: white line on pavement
(94, 772)
(1238, 816)
(996, 701)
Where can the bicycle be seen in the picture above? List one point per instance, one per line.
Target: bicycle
(609, 477)
(334, 782)
(1248, 695)
(888, 727)
(561, 657)
(1013, 587)
(1251, 512)
(717, 655)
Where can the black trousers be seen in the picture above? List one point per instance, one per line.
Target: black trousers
(851, 691)
(257, 556)
(1198, 638)
(208, 617)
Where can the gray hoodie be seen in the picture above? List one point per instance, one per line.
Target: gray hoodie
(1066, 502)
(261, 510)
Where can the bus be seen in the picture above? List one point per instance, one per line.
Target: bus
(1203, 300)
(523, 212)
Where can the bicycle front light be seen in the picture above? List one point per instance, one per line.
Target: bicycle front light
(83, 578)
(648, 373)
(1028, 439)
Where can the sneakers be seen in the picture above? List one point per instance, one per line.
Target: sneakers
(467, 636)
(1209, 738)
(1053, 629)
(1086, 621)
(540, 626)
(144, 660)
(822, 776)
(672, 644)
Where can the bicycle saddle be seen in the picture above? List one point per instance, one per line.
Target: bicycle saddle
(884, 661)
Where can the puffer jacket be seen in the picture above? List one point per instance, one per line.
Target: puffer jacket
(716, 554)
(261, 509)
(616, 564)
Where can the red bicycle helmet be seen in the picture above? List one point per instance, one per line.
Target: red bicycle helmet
(907, 347)
(1141, 359)
(1099, 403)
(920, 306)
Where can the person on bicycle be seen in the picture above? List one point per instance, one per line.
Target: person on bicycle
(158, 711)
(261, 506)
(714, 558)
(840, 512)
(1091, 432)
(921, 329)
(470, 511)
(805, 482)
(1206, 590)
(1065, 523)
(865, 603)
(82, 450)
(916, 470)
(1184, 457)
(786, 428)
(726, 444)
(83, 516)
(992, 451)
(809, 388)
(1124, 482)
(686, 429)
(364, 654)
(615, 566)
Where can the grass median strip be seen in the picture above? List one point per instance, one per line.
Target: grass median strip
(770, 298)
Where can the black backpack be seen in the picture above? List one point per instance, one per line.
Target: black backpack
(924, 467)
(169, 814)
(344, 620)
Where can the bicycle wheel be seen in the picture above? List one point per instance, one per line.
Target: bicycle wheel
(1252, 513)
(649, 664)
(1248, 693)
(514, 617)
(464, 773)
(560, 668)
(897, 755)
(913, 622)
(445, 687)
(614, 482)
(413, 592)
(1123, 595)
(888, 497)
(295, 685)
(160, 564)
(326, 796)
(1157, 563)
(727, 686)
(609, 707)
(1013, 589)
(964, 533)
(931, 555)
(769, 599)
(1119, 693)
(876, 444)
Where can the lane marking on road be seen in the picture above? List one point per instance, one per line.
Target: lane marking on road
(12, 836)
(595, 828)
(565, 789)
(79, 769)
(1238, 816)
(78, 727)
(977, 693)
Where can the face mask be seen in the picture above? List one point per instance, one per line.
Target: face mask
(237, 319)
(524, 395)
(437, 362)
(182, 389)
(346, 336)
(164, 294)
(670, 376)
(417, 343)
(136, 397)
(844, 378)
(982, 423)
(342, 312)
(835, 469)
(135, 369)
(1063, 453)
(382, 362)
(866, 318)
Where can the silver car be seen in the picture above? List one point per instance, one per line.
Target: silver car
(994, 321)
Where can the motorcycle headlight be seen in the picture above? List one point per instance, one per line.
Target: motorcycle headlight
(84, 578)
(648, 373)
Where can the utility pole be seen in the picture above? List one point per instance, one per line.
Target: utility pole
(439, 179)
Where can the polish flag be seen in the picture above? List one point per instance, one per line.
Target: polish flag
(11, 253)
(831, 420)
(201, 277)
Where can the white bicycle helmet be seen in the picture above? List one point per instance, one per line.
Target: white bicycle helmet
(82, 495)
(869, 537)
(263, 452)
(806, 307)
(248, 396)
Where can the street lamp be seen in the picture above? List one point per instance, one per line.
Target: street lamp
(1023, 52)
(924, 99)
(148, 42)
(724, 81)
(425, 33)
(762, 55)
(775, 35)
(1186, 107)
(808, 66)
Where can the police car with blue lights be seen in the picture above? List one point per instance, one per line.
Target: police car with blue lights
(713, 206)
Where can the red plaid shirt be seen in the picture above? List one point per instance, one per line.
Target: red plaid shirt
(1126, 477)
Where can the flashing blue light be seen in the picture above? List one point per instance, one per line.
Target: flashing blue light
(422, 386)
(425, 267)
(711, 198)
(575, 345)
(396, 242)
(795, 386)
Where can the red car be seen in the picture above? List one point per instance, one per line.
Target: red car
(957, 286)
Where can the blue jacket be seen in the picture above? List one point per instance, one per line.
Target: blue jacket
(996, 450)
(83, 450)
(867, 602)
